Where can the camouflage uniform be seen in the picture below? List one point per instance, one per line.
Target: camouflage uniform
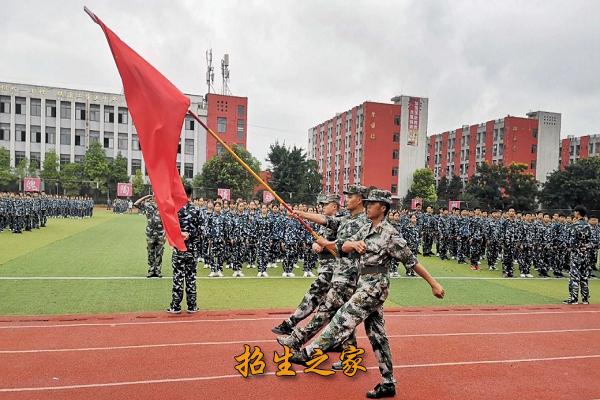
(477, 238)
(345, 275)
(463, 234)
(579, 274)
(291, 237)
(217, 227)
(494, 241)
(366, 304)
(537, 245)
(411, 234)
(184, 262)
(510, 236)
(264, 227)
(155, 237)
(595, 245)
(251, 237)
(564, 249)
(428, 230)
(444, 233)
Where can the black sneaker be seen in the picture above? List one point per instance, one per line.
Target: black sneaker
(300, 358)
(382, 390)
(172, 310)
(585, 302)
(283, 328)
(337, 366)
(193, 310)
(570, 301)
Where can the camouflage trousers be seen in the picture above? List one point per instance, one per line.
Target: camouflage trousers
(442, 247)
(239, 254)
(316, 292)
(563, 259)
(290, 256)
(593, 259)
(508, 257)
(493, 251)
(579, 276)
(525, 258)
(427, 242)
(155, 246)
(263, 255)
(476, 250)
(338, 294)
(310, 258)
(462, 248)
(453, 246)
(365, 305)
(251, 252)
(275, 250)
(216, 256)
(184, 274)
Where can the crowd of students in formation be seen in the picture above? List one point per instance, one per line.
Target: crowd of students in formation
(26, 211)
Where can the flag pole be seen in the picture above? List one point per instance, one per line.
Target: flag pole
(258, 178)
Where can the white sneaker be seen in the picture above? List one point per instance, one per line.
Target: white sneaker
(305, 275)
(291, 274)
(296, 266)
(212, 274)
(240, 274)
(205, 266)
(253, 266)
(529, 275)
(259, 275)
(523, 276)
(265, 275)
(220, 274)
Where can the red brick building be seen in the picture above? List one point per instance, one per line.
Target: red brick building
(368, 144)
(227, 116)
(575, 148)
(531, 140)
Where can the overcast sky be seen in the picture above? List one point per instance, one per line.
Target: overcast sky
(300, 62)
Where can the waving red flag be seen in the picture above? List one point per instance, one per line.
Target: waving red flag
(157, 108)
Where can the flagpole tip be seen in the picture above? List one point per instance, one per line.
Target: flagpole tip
(91, 14)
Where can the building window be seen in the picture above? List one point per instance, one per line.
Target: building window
(65, 159)
(20, 105)
(220, 149)
(395, 154)
(241, 126)
(241, 110)
(65, 110)
(189, 146)
(136, 164)
(80, 111)
(4, 105)
(19, 156)
(34, 158)
(94, 113)
(5, 132)
(534, 132)
(394, 189)
(35, 134)
(533, 164)
(397, 120)
(122, 144)
(36, 108)
(533, 148)
(50, 109)
(78, 139)
(21, 134)
(109, 139)
(189, 124)
(65, 136)
(50, 135)
(109, 115)
(94, 136)
(122, 115)
(396, 137)
(500, 149)
(188, 171)
(221, 125)
(395, 171)
(135, 142)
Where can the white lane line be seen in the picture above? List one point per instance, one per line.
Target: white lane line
(125, 278)
(415, 335)
(387, 315)
(217, 377)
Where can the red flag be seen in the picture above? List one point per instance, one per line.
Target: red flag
(157, 108)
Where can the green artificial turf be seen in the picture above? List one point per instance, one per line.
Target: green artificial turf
(113, 246)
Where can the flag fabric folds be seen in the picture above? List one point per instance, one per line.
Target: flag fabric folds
(157, 108)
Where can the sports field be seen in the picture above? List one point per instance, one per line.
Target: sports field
(98, 265)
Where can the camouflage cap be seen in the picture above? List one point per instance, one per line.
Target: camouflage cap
(383, 196)
(321, 198)
(357, 189)
(332, 198)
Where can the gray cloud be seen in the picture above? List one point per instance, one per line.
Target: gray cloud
(301, 62)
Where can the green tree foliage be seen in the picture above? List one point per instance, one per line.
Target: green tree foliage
(224, 172)
(578, 183)
(139, 186)
(49, 172)
(95, 165)
(501, 187)
(33, 168)
(71, 177)
(455, 188)
(7, 177)
(423, 186)
(117, 172)
(294, 178)
(442, 188)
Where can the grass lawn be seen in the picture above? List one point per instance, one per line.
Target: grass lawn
(109, 246)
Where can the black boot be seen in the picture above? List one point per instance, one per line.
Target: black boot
(382, 390)
(570, 301)
(283, 328)
(300, 358)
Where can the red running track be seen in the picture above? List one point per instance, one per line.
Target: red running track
(456, 353)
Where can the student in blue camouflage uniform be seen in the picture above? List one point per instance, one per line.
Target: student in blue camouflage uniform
(310, 257)
(376, 243)
(463, 235)
(411, 234)
(321, 285)
(444, 229)
(453, 238)
(476, 242)
(184, 262)
(250, 233)
(429, 226)
(595, 239)
(291, 236)
(217, 234)
(580, 244)
(278, 224)
(155, 235)
(494, 236)
(563, 240)
(510, 238)
(537, 251)
(264, 227)
(238, 238)
(526, 244)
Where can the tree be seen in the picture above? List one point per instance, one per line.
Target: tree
(95, 166)
(423, 186)
(117, 172)
(49, 172)
(225, 172)
(578, 183)
(33, 168)
(21, 169)
(521, 189)
(442, 188)
(455, 188)
(7, 177)
(139, 186)
(71, 177)
(293, 177)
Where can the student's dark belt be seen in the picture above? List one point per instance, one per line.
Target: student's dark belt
(370, 270)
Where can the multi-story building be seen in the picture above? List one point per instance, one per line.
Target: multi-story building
(372, 144)
(575, 148)
(532, 141)
(35, 120)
